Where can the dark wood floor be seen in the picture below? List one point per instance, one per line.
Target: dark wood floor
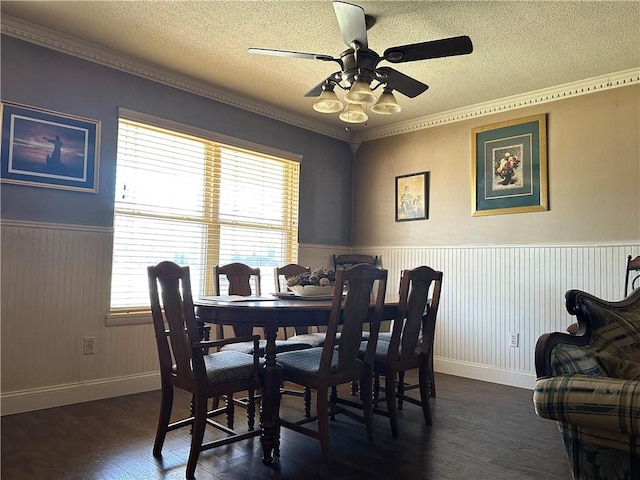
(480, 431)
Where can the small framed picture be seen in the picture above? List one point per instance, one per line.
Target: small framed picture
(412, 197)
(41, 148)
(509, 167)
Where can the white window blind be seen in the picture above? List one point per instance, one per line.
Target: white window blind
(197, 202)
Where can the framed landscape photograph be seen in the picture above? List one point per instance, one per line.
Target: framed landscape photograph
(41, 148)
(412, 197)
(509, 167)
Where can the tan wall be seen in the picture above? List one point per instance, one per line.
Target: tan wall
(594, 179)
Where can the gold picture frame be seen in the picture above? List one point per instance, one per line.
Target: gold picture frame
(509, 167)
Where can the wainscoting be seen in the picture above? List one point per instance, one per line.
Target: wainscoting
(489, 292)
(55, 291)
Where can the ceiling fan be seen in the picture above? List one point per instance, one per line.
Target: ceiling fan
(359, 67)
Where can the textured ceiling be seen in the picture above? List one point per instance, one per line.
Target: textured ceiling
(519, 46)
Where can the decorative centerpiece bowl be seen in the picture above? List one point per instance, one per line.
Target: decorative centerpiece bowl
(315, 283)
(312, 290)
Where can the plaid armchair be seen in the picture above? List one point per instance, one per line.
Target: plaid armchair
(589, 383)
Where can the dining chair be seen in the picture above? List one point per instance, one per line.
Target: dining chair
(240, 278)
(302, 334)
(410, 346)
(633, 265)
(386, 337)
(314, 338)
(281, 275)
(347, 260)
(185, 364)
(322, 368)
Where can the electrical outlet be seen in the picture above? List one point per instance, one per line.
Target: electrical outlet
(514, 339)
(88, 345)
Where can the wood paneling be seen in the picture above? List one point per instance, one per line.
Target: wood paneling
(55, 291)
(489, 292)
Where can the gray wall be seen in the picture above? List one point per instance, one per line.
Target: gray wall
(37, 76)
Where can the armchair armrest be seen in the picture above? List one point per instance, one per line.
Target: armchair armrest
(545, 345)
(595, 402)
(604, 326)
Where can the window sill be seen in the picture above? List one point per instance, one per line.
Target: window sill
(120, 319)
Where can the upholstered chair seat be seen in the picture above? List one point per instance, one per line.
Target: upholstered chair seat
(281, 346)
(313, 339)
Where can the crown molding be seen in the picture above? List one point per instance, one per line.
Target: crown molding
(45, 37)
(573, 89)
(70, 45)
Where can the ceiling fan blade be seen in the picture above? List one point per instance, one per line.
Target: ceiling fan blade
(285, 53)
(352, 23)
(447, 47)
(317, 90)
(410, 87)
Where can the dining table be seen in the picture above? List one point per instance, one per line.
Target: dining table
(269, 313)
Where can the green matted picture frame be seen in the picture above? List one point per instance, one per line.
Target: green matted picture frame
(412, 197)
(509, 167)
(42, 148)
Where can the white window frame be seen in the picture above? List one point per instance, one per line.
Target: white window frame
(133, 316)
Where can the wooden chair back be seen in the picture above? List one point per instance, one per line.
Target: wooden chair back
(417, 312)
(632, 266)
(280, 277)
(285, 273)
(239, 277)
(350, 259)
(176, 311)
(352, 310)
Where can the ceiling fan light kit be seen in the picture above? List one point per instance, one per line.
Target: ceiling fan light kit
(360, 92)
(386, 104)
(354, 113)
(328, 102)
(359, 67)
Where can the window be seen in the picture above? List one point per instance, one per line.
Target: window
(198, 202)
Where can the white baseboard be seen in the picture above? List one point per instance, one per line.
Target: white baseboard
(38, 399)
(485, 373)
(59, 395)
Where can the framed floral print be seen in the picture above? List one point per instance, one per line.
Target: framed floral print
(509, 167)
